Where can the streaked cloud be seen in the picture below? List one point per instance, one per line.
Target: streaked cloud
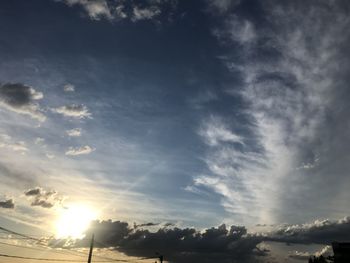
(69, 88)
(79, 150)
(7, 142)
(76, 132)
(214, 131)
(145, 13)
(74, 110)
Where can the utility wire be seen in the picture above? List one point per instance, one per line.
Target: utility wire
(46, 259)
(40, 241)
(39, 249)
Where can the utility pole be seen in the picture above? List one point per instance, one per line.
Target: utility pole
(91, 248)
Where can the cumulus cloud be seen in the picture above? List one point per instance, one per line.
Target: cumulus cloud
(76, 132)
(178, 245)
(318, 232)
(21, 99)
(74, 110)
(8, 203)
(43, 198)
(68, 88)
(80, 150)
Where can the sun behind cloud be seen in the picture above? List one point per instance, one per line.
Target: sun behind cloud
(74, 220)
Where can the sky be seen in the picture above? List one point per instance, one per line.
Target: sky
(183, 126)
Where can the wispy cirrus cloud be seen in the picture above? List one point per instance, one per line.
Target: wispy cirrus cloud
(214, 131)
(287, 82)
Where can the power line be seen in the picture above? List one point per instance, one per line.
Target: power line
(46, 259)
(38, 249)
(50, 259)
(44, 245)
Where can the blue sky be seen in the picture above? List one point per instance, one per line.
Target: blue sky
(195, 113)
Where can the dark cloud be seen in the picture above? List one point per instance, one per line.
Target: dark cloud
(176, 244)
(232, 244)
(145, 224)
(319, 232)
(21, 98)
(8, 203)
(40, 197)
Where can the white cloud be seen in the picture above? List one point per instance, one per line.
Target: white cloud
(76, 132)
(238, 30)
(288, 98)
(79, 150)
(95, 8)
(221, 6)
(73, 110)
(214, 131)
(68, 88)
(145, 13)
(16, 146)
(50, 155)
(39, 140)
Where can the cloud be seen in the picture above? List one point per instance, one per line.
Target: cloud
(95, 8)
(43, 198)
(39, 140)
(79, 150)
(146, 225)
(317, 232)
(325, 252)
(238, 30)
(68, 88)
(118, 10)
(8, 203)
(76, 132)
(214, 131)
(221, 6)
(7, 142)
(178, 245)
(21, 99)
(50, 155)
(74, 110)
(293, 85)
(145, 13)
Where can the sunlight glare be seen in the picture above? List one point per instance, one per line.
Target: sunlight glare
(74, 220)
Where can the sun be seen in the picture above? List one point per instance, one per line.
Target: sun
(74, 220)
